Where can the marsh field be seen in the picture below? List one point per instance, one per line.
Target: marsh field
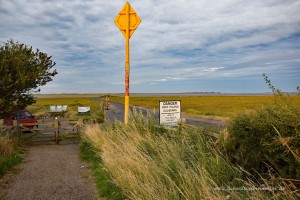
(211, 106)
(215, 107)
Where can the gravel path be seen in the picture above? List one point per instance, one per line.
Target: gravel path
(50, 172)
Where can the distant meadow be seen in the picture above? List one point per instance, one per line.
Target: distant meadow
(216, 107)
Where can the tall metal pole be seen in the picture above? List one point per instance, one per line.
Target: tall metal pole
(127, 67)
(127, 21)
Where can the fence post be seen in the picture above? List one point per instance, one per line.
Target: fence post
(16, 127)
(80, 125)
(1, 126)
(56, 130)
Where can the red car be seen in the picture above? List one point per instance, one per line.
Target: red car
(23, 117)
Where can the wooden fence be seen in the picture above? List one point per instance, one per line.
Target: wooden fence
(56, 129)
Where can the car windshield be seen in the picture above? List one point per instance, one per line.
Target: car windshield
(20, 115)
(28, 115)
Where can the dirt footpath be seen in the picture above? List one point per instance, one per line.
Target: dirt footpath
(50, 172)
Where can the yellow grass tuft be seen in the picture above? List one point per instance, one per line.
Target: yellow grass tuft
(6, 146)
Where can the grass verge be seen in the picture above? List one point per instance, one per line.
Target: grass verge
(7, 163)
(105, 187)
(148, 161)
(9, 154)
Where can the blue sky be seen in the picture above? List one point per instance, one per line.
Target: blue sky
(180, 45)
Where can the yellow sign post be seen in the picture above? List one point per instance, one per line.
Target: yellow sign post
(127, 21)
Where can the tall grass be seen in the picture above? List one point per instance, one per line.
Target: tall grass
(151, 162)
(6, 145)
(105, 187)
(9, 153)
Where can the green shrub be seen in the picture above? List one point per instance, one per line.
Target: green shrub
(270, 135)
(8, 162)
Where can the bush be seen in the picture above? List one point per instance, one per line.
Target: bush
(270, 135)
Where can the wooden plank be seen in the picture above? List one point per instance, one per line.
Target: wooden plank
(46, 123)
(69, 122)
(29, 124)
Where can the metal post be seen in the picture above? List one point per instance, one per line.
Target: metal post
(107, 102)
(127, 21)
(127, 67)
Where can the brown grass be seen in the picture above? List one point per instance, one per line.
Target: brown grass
(6, 146)
(149, 164)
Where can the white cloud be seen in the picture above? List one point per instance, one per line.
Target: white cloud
(212, 69)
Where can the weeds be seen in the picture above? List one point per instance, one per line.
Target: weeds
(105, 186)
(7, 145)
(8, 162)
(9, 154)
(148, 161)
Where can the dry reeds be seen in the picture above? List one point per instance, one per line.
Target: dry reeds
(151, 162)
(6, 146)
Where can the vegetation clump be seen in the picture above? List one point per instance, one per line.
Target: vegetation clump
(9, 153)
(106, 188)
(22, 71)
(148, 161)
(268, 137)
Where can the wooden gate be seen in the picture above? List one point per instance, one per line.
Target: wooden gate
(48, 130)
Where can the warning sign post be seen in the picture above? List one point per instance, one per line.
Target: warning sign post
(127, 21)
(169, 112)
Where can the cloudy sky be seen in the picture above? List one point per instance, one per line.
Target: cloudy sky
(180, 45)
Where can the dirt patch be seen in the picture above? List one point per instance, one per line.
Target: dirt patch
(50, 172)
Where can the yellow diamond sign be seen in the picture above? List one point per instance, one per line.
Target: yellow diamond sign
(127, 19)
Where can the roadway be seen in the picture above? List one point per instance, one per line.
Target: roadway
(116, 112)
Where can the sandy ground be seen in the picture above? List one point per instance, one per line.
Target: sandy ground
(49, 172)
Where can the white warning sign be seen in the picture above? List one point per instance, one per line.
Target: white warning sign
(169, 112)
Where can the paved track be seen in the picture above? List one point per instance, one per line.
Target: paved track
(116, 112)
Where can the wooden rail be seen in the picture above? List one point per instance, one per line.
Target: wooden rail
(59, 128)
